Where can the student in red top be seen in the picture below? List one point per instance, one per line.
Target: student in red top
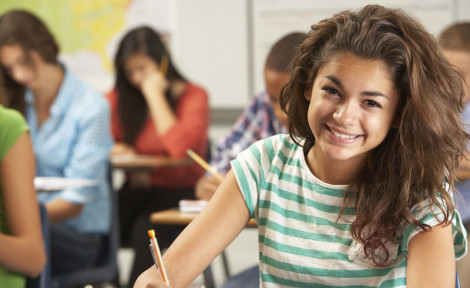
(154, 111)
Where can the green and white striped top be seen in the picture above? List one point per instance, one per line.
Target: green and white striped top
(301, 243)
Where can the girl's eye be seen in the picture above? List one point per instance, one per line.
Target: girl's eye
(372, 103)
(331, 90)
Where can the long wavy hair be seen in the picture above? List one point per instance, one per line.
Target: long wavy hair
(132, 107)
(420, 155)
(19, 27)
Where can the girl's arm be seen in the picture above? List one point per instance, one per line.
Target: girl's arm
(23, 250)
(205, 237)
(431, 261)
(153, 88)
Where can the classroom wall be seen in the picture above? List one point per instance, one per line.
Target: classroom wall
(219, 44)
(223, 43)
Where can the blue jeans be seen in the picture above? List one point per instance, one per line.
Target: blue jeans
(248, 278)
(71, 251)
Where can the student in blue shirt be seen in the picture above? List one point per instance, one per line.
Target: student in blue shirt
(69, 127)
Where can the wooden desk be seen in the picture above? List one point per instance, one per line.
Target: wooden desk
(146, 162)
(175, 217)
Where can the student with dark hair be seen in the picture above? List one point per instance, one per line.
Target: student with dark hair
(261, 119)
(155, 111)
(69, 128)
(360, 191)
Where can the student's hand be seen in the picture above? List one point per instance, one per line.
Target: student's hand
(122, 149)
(150, 278)
(205, 187)
(153, 85)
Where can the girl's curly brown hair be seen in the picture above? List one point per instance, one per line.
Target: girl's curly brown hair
(420, 155)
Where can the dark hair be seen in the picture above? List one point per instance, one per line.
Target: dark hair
(456, 37)
(283, 51)
(19, 27)
(132, 107)
(418, 156)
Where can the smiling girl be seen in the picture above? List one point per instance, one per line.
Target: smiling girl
(359, 192)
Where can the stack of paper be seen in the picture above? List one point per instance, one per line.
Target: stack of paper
(59, 183)
(187, 205)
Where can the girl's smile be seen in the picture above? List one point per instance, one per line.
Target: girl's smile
(337, 134)
(352, 108)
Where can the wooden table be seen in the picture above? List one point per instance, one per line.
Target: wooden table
(146, 162)
(175, 217)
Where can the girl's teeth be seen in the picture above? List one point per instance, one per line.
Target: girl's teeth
(344, 136)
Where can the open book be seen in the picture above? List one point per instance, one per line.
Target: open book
(186, 205)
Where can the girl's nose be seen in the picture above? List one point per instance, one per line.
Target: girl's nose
(345, 114)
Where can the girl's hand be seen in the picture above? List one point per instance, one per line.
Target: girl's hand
(122, 149)
(206, 187)
(154, 84)
(151, 278)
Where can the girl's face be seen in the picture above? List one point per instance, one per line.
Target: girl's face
(137, 67)
(352, 107)
(16, 63)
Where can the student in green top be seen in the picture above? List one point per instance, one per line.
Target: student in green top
(359, 193)
(21, 246)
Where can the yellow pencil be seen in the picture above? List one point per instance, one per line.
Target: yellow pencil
(164, 65)
(158, 256)
(204, 164)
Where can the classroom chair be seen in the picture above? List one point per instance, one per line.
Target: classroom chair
(107, 269)
(43, 280)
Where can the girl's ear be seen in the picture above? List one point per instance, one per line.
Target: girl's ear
(308, 94)
(396, 120)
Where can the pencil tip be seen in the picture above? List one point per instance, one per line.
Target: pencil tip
(151, 233)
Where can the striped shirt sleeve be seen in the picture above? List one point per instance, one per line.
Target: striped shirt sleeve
(431, 215)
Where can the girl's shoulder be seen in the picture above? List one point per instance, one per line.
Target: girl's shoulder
(279, 146)
(12, 125)
(10, 117)
(280, 142)
(192, 89)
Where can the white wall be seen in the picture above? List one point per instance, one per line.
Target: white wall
(222, 44)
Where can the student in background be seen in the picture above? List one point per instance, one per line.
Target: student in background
(155, 111)
(262, 118)
(455, 44)
(21, 244)
(359, 191)
(69, 128)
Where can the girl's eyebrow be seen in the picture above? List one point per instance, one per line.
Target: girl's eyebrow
(334, 80)
(366, 93)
